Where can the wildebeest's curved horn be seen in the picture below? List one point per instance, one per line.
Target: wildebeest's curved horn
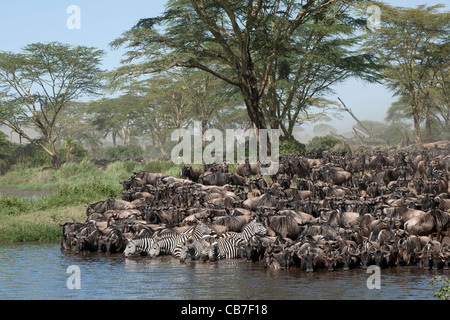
(356, 253)
(369, 249)
(388, 251)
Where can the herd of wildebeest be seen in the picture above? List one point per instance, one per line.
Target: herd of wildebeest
(326, 211)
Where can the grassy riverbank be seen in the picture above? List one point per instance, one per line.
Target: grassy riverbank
(75, 185)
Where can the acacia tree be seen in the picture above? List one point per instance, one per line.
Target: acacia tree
(38, 84)
(321, 53)
(76, 123)
(235, 41)
(173, 99)
(117, 116)
(406, 43)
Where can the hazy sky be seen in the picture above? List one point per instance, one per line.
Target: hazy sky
(27, 21)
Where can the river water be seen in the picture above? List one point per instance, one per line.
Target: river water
(43, 271)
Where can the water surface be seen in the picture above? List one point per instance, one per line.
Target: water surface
(39, 271)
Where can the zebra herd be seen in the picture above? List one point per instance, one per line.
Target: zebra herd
(198, 242)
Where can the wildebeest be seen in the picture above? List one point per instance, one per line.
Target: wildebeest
(408, 250)
(266, 200)
(386, 218)
(215, 178)
(338, 177)
(336, 218)
(70, 229)
(235, 179)
(109, 204)
(283, 225)
(310, 256)
(247, 169)
(233, 223)
(191, 173)
(433, 221)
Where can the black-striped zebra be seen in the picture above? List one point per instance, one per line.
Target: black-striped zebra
(248, 231)
(196, 249)
(172, 245)
(139, 244)
(225, 248)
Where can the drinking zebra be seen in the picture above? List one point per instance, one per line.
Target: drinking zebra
(195, 249)
(142, 245)
(165, 241)
(171, 245)
(225, 248)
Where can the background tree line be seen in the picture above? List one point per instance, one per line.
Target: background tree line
(227, 64)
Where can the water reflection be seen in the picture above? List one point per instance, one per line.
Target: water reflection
(38, 271)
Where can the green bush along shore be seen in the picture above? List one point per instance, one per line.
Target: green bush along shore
(74, 185)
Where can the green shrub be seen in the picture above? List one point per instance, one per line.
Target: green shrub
(65, 196)
(288, 146)
(444, 291)
(12, 205)
(160, 166)
(124, 152)
(322, 143)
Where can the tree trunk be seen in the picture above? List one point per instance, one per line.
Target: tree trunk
(428, 125)
(161, 146)
(416, 116)
(55, 161)
(114, 137)
(54, 156)
(417, 133)
(254, 110)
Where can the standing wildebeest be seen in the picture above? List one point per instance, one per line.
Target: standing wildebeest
(311, 257)
(247, 169)
(70, 230)
(266, 200)
(188, 172)
(283, 225)
(235, 179)
(109, 204)
(213, 178)
(434, 220)
(408, 249)
(336, 218)
(338, 177)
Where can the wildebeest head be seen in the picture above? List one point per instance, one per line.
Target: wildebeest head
(306, 255)
(253, 249)
(445, 255)
(330, 260)
(427, 255)
(381, 255)
(366, 255)
(70, 230)
(114, 241)
(350, 256)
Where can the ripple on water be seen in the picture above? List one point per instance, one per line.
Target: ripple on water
(39, 271)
